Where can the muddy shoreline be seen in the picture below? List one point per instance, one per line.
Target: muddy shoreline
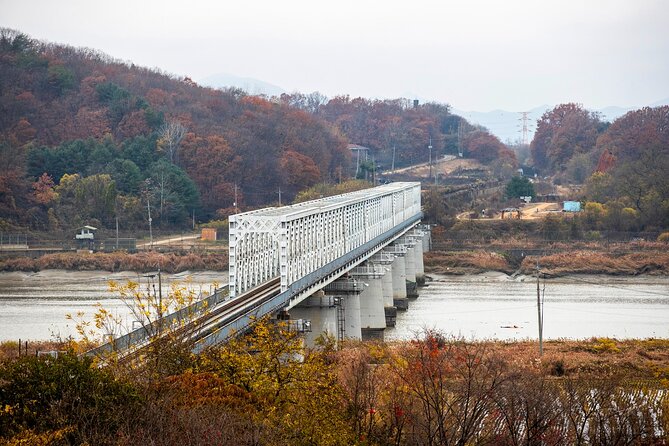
(654, 263)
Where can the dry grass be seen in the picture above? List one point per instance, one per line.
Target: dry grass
(593, 262)
(119, 261)
(465, 262)
(597, 357)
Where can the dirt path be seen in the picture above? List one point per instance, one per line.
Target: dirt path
(170, 240)
(529, 212)
(538, 210)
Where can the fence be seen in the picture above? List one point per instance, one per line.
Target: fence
(13, 241)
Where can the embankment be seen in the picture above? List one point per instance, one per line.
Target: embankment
(568, 262)
(119, 261)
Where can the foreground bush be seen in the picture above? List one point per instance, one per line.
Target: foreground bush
(64, 399)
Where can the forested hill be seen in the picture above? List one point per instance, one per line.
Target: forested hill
(85, 138)
(403, 129)
(118, 134)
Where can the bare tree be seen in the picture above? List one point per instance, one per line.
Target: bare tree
(171, 134)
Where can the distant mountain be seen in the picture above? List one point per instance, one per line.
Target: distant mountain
(507, 125)
(248, 84)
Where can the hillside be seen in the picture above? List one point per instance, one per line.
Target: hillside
(125, 134)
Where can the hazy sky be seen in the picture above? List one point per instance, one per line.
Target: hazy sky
(472, 54)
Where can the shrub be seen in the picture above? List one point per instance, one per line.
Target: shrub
(604, 345)
(63, 394)
(664, 237)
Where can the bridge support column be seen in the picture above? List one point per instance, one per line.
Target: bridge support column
(372, 315)
(346, 292)
(420, 266)
(410, 266)
(321, 311)
(427, 238)
(386, 259)
(398, 272)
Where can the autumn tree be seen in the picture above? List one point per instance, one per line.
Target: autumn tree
(295, 391)
(486, 148)
(563, 132)
(298, 171)
(213, 166)
(171, 134)
(172, 193)
(43, 189)
(635, 157)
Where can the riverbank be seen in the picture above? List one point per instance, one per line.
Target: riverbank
(119, 261)
(654, 262)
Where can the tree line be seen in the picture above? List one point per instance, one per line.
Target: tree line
(623, 164)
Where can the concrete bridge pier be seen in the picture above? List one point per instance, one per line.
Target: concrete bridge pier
(427, 238)
(420, 265)
(372, 314)
(321, 311)
(410, 267)
(346, 291)
(386, 259)
(398, 273)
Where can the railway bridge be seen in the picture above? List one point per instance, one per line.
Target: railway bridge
(343, 264)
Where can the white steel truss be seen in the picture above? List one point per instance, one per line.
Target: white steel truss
(294, 241)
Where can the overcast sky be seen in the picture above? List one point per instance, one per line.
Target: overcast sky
(473, 54)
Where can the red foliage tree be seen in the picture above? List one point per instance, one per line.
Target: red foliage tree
(298, 171)
(486, 148)
(562, 132)
(638, 130)
(43, 189)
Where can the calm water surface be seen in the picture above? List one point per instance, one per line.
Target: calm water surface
(34, 306)
(494, 305)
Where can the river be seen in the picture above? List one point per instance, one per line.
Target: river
(492, 305)
(34, 305)
(496, 306)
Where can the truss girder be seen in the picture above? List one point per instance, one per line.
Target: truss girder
(294, 241)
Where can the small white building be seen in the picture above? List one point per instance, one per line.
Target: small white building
(86, 233)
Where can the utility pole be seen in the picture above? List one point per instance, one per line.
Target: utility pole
(160, 302)
(235, 202)
(148, 205)
(460, 134)
(540, 316)
(430, 159)
(116, 231)
(393, 166)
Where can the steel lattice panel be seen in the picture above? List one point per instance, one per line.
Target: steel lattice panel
(293, 241)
